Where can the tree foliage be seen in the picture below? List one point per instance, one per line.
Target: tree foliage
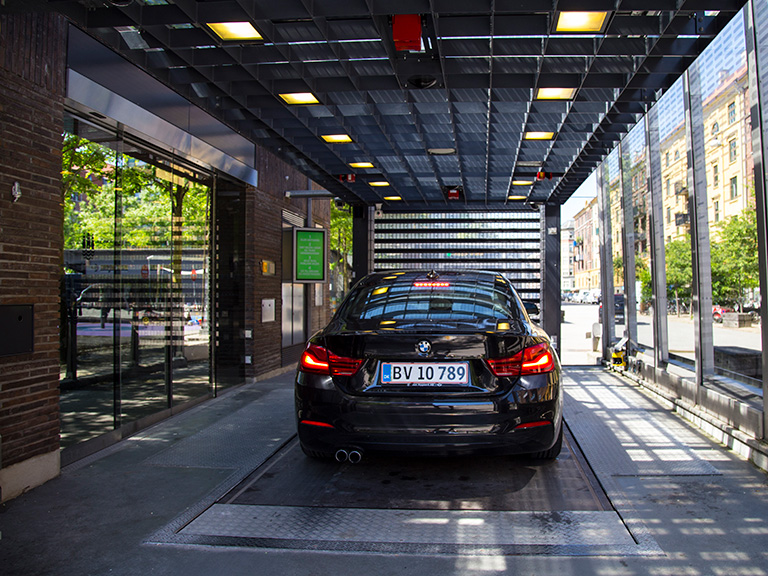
(735, 265)
(141, 216)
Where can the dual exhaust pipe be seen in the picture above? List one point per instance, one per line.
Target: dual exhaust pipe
(352, 456)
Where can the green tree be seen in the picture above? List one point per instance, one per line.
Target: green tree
(734, 256)
(679, 269)
(341, 244)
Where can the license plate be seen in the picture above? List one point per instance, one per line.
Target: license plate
(425, 373)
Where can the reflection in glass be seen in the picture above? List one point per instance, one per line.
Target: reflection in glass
(135, 334)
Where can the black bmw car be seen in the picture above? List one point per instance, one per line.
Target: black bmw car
(430, 362)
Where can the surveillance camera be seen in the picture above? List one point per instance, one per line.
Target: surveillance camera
(378, 213)
(378, 207)
(338, 203)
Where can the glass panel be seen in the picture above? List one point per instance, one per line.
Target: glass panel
(673, 148)
(135, 336)
(722, 69)
(635, 154)
(87, 395)
(612, 179)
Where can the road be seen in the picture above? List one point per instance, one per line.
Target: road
(579, 319)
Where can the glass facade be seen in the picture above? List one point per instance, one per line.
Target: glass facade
(687, 180)
(135, 330)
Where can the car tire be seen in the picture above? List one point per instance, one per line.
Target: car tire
(553, 452)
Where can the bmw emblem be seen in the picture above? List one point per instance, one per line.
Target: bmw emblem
(424, 347)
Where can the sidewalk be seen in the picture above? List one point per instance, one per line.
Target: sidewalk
(690, 506)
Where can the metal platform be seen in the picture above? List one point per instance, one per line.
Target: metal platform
(278, 498)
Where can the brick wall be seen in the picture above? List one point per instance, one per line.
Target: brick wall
(264, 211)
(32, 52)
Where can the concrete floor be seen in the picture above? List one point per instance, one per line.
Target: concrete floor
(168, 501)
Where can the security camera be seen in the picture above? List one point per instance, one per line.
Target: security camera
(339, 203)
(379, 212)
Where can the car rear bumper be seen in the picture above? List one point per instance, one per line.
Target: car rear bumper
(329, 420)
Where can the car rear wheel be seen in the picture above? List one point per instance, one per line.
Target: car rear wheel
(553, 452)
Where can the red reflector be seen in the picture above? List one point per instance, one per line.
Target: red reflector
(537, 359)
(431, 284)
(533, 424)
(315, 423)
(318, 360)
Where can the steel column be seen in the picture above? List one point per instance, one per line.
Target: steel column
(362, 241)
(658, 256)
(550, 273)
(606, 262)
(701, 289)
(628, 249)
(756, 18)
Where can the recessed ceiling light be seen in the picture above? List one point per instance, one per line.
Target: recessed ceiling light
(299, 98)
(555, 93)
(336, 138)
(378, 183)
(229, 31)
(581, 21)
(522, 182)
(441, 151)
(361, 165)
(528, 163)
(392, 198)
(539, 135)
(517, 197)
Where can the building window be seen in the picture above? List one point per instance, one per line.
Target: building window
(715, 175)
(669, 215)
(669, 187)
(715, 128)
(717, 211)
(666, 157)
(732, 150)
(731, 112)
(677, 155)
(734, 187)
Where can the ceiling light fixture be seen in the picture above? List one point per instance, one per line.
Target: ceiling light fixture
(522, 182)
(336, 138)
(441, 151)
(584, 22)
(539, 135)
(233, 31)
(555, 93)
(393, 198)
(513, 197)
(378, 183)
(361, 165)
(298, 98)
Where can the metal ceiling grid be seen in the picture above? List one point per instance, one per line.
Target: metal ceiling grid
(471, 88)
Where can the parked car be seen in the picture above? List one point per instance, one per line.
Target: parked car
(618, 308)
(427, 362)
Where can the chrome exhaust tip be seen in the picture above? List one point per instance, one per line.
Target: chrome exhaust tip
(341, 456)
(355, 456)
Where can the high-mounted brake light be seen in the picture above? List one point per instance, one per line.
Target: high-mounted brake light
(537, 359)
(431, 284)
(318, 360)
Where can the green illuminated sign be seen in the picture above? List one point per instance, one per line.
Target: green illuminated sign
(310, 260)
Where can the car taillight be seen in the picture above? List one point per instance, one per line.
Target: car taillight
(537, 359)
(319, 360)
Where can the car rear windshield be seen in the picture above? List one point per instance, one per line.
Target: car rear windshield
(474, 300)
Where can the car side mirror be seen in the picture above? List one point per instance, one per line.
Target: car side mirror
(531, 308)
